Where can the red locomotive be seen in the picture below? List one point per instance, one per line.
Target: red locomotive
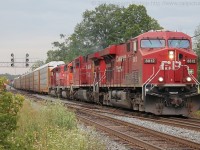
(154, 72)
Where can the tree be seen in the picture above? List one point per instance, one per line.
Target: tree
(111, 24)
(61, 50)
(101, 27)
(197, 39)
(197, 47)
(37, 64)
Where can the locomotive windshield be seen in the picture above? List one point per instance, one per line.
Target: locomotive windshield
(152, 43)
(179, 43)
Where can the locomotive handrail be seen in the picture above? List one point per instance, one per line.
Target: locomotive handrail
(101, 78)
(150, 77)
(151, 80)
(196, 81)
(146, 82)
(95, 84)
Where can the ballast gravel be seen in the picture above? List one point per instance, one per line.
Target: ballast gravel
(109, 143)
(175, 131)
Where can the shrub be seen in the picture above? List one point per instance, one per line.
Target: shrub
(9, 107)
(50, 127)
(196, 114)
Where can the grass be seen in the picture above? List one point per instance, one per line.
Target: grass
(196, 114)
(51, 127)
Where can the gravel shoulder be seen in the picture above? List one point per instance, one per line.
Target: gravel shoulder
(175, 131)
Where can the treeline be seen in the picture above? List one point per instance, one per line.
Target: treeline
(105, 25)
(9, 76)
(197, 47)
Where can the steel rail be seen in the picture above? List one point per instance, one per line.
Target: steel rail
(133, 141)
(179, 140)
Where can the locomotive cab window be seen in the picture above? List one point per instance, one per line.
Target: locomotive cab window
(71, 69)
(77, 64)
(128, 47)
(152, 43)
(58, 70)
(65, 68)
(178, 43)
(135, 46)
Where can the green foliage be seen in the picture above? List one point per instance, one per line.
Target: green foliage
(2, 83)
(196, 114)
(8, 76)
(50, 127)
(197, 47)
(9, 107)
(61, 52)
(104, 26)
(37, 64)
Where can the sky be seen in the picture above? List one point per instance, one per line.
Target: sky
(30, 26)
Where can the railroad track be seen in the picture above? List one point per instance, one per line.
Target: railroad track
(134, 134)
(186, 123)
(143, 138)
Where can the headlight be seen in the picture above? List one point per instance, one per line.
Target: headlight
(188, 79)
(160, 79)
(171, 54)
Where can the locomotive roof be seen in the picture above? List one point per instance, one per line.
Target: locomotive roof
(52, 64)
(163, 34)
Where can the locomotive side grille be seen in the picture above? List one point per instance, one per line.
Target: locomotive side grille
(135, 77)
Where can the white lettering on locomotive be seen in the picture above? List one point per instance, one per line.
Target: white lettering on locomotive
(120, 58)
(88, 66)
(135, 59)
(118, 68)
(170, 65)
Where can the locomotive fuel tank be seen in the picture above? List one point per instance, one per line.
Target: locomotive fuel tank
(84, 95)
(119, 98)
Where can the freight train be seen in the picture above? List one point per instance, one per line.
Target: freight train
(154, 72)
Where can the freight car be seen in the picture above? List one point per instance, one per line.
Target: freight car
(38, 80)
(154, 72)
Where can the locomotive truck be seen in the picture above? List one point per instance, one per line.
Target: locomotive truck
(154, 72)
